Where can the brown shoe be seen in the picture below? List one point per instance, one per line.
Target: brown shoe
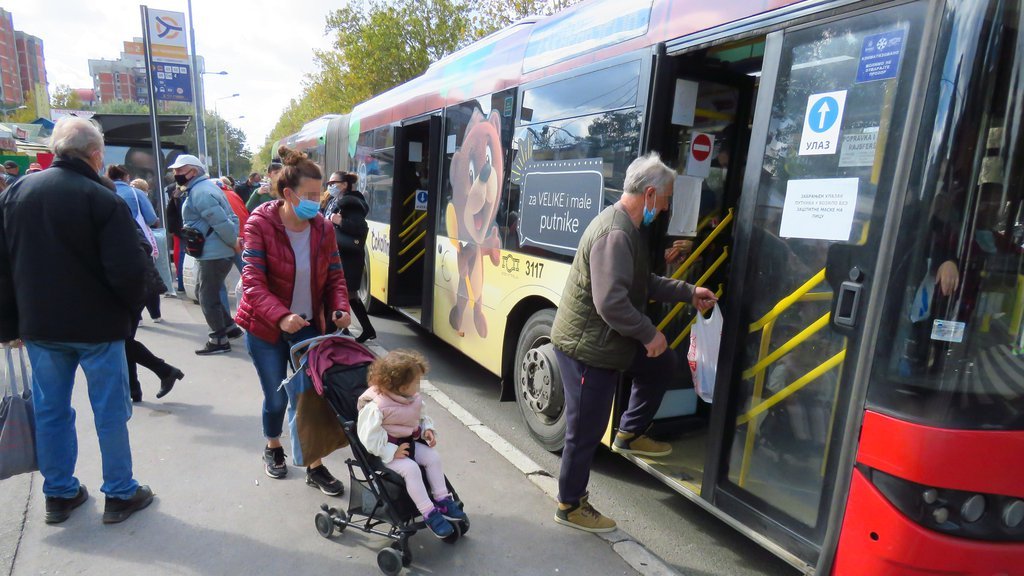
(584, 517)
(630, 443)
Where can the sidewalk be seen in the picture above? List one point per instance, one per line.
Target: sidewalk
(216, 512)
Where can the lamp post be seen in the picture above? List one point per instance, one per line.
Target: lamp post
(217, 115)
(227, 148)
(200, 106)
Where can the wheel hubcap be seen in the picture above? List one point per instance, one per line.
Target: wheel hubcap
(539, 384)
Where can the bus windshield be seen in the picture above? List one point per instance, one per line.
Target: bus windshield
(952, 354)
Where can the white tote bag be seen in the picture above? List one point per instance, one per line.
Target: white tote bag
(705, 340)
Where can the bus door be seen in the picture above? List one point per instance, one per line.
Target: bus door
(825, 142)
(700, 108)
(413, 216)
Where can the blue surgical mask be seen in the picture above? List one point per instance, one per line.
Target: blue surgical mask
(307, 209)
(649, 215)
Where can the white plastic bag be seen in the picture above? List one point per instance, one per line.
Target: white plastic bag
(705, 340)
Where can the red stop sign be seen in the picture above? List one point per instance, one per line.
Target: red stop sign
(700, 148)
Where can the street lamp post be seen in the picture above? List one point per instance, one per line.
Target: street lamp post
(217, 115)
(227, 148)
(200, 100)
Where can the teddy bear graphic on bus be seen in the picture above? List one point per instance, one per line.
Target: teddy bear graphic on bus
(477, 171)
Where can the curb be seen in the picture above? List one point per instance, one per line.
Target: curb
(629, 549)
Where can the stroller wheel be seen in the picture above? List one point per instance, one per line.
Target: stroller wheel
(324, 524)
(455, 535)
(403, 547)
(389, 561)
(464, 526)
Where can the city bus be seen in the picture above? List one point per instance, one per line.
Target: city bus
(849, 185)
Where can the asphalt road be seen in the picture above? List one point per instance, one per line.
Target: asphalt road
(684, 535)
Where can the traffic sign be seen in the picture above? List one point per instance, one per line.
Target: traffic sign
(421, 199)
(701, 147)
(698, 161)
(822, 123)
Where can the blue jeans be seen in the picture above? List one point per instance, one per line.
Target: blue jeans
(53, 377)
(271, 362)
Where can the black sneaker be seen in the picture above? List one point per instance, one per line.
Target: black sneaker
(59, 509)
(273, 462)
(212, 348)
(234, 332)
(321, 478)
(119, 509)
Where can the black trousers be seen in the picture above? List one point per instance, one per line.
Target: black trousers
(136, 353)
(153, 306)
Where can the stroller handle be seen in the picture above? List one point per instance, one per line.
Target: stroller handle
(300, 350)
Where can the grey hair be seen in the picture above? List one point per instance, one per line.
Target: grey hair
(647, 170)
(75, 137)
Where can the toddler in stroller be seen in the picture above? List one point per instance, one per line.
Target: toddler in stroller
(392, 439)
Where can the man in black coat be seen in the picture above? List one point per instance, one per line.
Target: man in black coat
(70, 270)
(246, 188)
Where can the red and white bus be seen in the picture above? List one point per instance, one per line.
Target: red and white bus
(850, 180)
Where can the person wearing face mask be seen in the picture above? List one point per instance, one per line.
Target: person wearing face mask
(346, 208)
(293, 287)
(600, 329)
(206, 211)
(69, 219)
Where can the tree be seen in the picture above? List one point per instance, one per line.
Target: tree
(493, 15)
(66, 98)
(122, 107)
(379, 44)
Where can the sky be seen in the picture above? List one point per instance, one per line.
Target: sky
(266, 47)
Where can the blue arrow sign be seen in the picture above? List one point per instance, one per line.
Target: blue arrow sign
(824, 114)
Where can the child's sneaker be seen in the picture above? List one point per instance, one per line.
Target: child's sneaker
(450, 509)
(438, 524)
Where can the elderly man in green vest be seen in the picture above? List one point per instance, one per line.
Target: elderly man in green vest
(600, 330)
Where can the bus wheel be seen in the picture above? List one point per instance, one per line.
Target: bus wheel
(538, 385)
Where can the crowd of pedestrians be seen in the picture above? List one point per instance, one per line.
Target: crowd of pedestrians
(96, 224)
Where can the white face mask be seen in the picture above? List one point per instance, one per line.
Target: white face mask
(334, 190)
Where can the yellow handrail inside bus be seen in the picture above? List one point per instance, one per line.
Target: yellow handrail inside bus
(792, 388)
(412, 244)
(686, 331)
(700, 281)
(412, 226)
(788, 301)
(408, 198)
(707, 221)
(703, 245)
(786, 348)
(413, 261)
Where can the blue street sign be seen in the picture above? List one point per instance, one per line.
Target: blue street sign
(824, 114)
(172, 82)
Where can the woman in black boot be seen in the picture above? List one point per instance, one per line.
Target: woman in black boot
(347, 209)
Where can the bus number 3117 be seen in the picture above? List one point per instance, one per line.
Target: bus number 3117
(534, 269)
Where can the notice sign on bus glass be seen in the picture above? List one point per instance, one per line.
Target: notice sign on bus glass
(559, 198)
(880, 56)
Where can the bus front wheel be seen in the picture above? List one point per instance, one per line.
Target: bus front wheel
(539, 391)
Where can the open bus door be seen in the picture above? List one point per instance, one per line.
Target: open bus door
(788, 142)
(825, 143)
(413, 217)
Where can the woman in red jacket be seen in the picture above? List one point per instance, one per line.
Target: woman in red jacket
(292, 284)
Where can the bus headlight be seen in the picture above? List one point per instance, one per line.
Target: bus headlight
(991, 517)
(1013, 514)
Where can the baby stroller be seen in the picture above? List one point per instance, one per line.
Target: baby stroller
(378, 502)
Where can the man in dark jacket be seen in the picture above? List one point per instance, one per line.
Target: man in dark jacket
(600, 330)
(70, 269)
(246, 188)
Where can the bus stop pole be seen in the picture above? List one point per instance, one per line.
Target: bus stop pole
(154, 127)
